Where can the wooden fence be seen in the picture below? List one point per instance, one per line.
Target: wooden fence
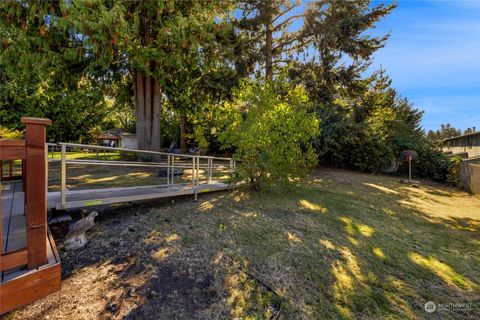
(471, 177)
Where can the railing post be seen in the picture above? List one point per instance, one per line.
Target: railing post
(36, 193)
(193, 171)
(24, 177)
(168, 169)
(63, 186)
(46, 168)
(209, 172)
(195, 185)
(198, 171)
(172, 171)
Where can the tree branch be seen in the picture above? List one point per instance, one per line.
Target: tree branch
(284, 12)
(280, 25)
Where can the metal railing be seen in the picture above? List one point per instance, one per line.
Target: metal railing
(169, 161)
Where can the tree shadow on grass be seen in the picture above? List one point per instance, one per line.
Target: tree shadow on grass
(411, 256)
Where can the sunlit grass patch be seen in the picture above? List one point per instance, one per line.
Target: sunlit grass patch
(172, 238)
(381, 188)
(292, 237)
(327, 243)
(205, 206)
(312, 206)
(160, 254)
(442, 270)
(354, 228)
(378, 252)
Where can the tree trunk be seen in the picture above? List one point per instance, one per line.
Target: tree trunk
(140, 110)
(268, 40)
(156, 140)
(183, 131)
(268, 52)
(148, 111)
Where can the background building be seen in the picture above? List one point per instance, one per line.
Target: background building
(465, 146)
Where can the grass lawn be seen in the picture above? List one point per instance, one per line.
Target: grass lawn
(342, 245)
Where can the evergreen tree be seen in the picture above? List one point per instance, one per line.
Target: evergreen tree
(155, 42)
(44, 71)
(264, 25)
(159, 41)
(446, 131)
(340, 49)
(368, 132)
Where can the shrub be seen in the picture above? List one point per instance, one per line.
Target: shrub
(7, 133)
(271, 129)
(454, 175)
(430, 164)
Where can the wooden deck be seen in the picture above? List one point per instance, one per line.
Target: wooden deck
(19, 286)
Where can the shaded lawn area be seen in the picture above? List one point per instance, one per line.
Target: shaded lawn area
(342, 245)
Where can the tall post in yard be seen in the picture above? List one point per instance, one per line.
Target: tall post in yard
(35, 192)
(409, 156)
(410, 168)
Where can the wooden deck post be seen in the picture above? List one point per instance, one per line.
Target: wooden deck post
(35, 192)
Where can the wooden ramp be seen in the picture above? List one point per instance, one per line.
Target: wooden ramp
(19, 286)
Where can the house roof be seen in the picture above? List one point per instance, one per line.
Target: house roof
(471, 134)
(108, 136)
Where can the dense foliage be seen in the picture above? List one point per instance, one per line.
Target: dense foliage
(91, 64)
(270, 127)
(368, 130)
(165, 69)
(41, 75)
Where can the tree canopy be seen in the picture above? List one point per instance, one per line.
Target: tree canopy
(164, 68)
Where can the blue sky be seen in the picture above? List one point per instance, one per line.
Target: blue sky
(433, 58)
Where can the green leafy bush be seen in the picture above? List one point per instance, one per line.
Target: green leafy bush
(271, 129)
(6, 133)
(454, 174)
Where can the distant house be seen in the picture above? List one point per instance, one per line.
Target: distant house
(465, 146)
(118, 138)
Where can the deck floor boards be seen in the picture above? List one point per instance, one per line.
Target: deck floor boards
(14, 230)
(8, 190)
